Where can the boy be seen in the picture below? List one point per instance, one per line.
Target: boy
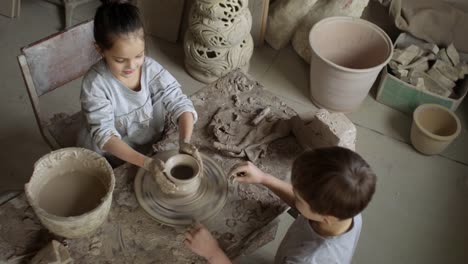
(330, 188)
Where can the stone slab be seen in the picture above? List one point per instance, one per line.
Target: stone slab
(325, 130)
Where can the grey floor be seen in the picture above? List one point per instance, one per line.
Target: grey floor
(418, 214)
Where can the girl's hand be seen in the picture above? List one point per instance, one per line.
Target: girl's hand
(248, 172)
(199, 240)
(156, 168)
(189, 149)
(153, 165)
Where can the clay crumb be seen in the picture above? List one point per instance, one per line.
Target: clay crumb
(261, 116)
(236, 100)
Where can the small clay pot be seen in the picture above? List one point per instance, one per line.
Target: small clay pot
(184, 171)
(434, 128)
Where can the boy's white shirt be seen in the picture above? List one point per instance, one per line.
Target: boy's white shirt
(137, 117)
(302, 244)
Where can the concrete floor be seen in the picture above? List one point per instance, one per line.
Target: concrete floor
(418, 214)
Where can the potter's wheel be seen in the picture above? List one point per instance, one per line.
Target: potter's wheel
(173, 210)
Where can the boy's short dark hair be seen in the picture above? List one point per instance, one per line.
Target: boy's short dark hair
(334, 181)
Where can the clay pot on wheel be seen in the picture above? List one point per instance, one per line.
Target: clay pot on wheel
(183, 171)
(434, 128)
(196, 194)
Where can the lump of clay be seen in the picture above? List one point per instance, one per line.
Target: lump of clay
(53, 253)
(325, 129)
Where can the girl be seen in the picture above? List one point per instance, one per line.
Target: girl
(126, 95)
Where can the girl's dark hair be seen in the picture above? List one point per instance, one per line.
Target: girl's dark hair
(113, 18)
(334, 181)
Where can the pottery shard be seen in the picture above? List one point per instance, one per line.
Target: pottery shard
(407, 55)
(283, 19)
(462, 69)
(441, 79)
(432, 86)
(446, 69)
(453, 55)
(429, 47)
(414, 73)
(53, 253)
(401, 73)
(418, 83)
(420, 64)
(395, 66)
(442, 55)
(325, 129)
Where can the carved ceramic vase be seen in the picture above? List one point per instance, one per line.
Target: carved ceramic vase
(218, 39)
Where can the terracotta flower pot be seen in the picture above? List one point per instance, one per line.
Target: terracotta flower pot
(434, 128)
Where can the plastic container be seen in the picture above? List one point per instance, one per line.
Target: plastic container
(434, 128)
(71, 191)
(347, 55)
(405, 97)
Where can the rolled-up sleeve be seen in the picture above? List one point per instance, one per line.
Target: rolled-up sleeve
(99, 113)
(166, 88)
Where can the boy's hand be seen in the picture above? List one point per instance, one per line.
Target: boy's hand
(189, 149)
(248, 172)
(201, 242)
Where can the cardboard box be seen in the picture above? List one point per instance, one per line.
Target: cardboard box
(406, 97)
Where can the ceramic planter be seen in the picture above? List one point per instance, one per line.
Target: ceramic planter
(434, 128)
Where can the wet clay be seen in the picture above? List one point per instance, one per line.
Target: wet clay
(182, 172)
(71, 194)
(241, 138)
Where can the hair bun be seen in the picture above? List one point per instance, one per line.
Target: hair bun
(114, 2)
